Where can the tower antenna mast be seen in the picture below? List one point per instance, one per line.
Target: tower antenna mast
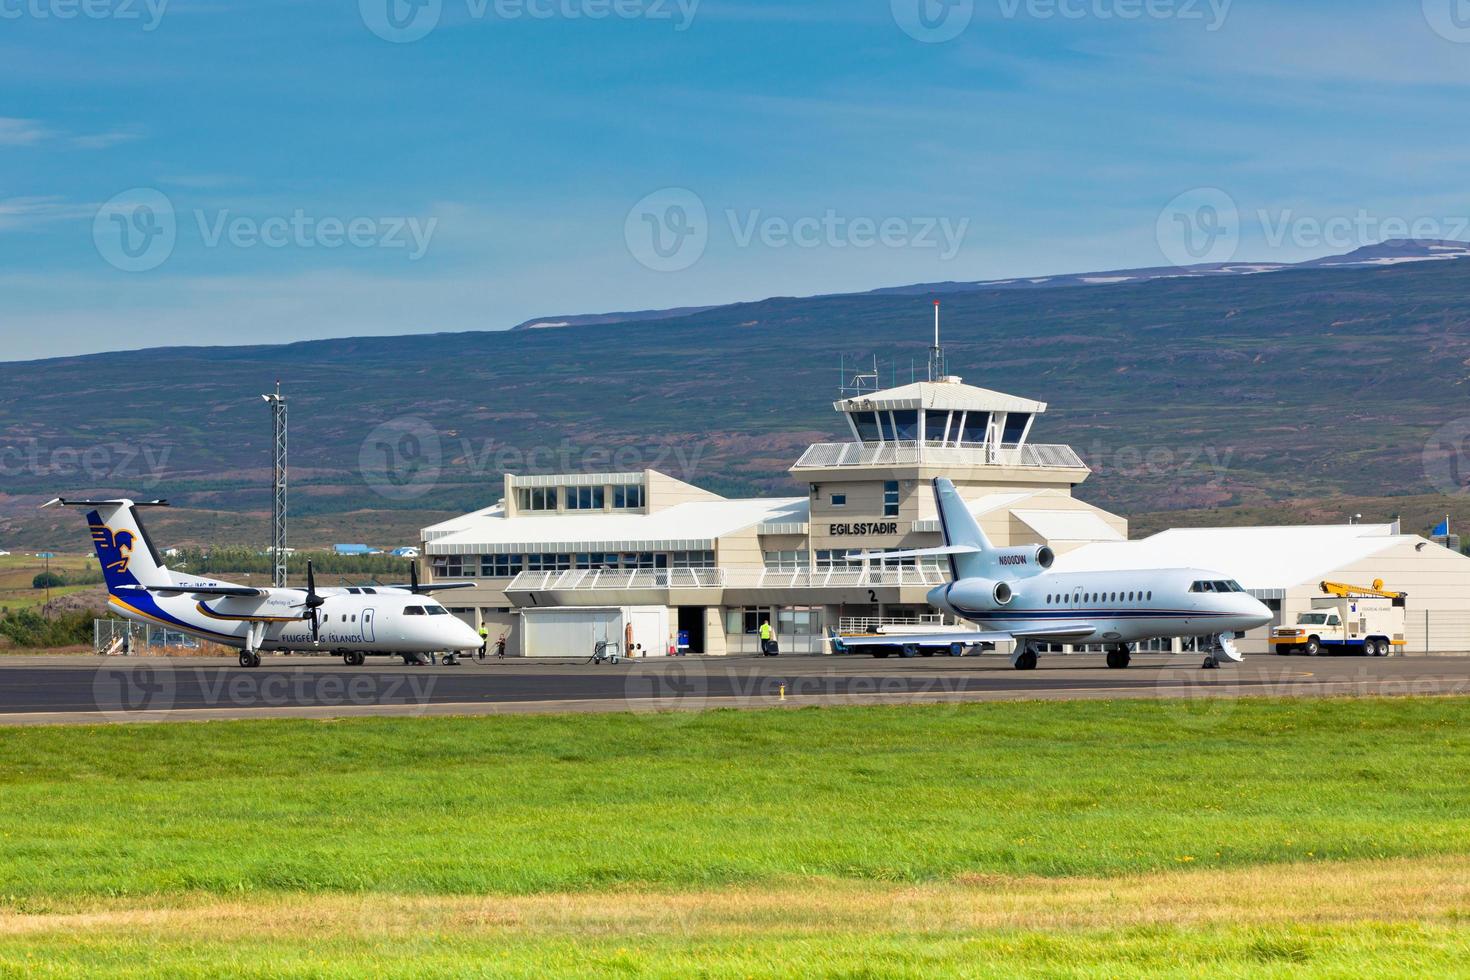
(936, 353)
(277, 403)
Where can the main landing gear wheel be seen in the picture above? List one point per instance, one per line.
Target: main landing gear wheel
(1027, 660)
(249, 659)
(353, 658)
(1119, 658)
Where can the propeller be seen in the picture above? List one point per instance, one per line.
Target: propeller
(313, 603)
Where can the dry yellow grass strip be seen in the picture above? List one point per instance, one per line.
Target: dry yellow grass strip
(1381, 891)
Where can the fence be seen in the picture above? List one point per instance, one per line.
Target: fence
(123, 637)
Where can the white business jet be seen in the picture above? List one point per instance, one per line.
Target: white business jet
(348, 622)
(1013, 595)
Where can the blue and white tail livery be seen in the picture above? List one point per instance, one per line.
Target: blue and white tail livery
(349, 622)
(1013, 596)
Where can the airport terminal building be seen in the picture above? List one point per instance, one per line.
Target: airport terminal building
(588, 545)
(564, 560)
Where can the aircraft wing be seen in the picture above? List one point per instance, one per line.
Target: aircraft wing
(1059, 632)
(418, 588)
(923, 640)
(220, 590)
(1063, 632)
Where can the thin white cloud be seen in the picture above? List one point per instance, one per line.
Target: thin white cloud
(22, 132)
(28, 212)
(107, 140)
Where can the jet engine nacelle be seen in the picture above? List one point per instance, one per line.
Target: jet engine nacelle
(972, 595)
(1018, 562)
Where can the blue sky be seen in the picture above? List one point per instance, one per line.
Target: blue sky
(304, 177)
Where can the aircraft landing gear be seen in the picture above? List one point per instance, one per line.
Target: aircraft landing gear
(1119, 657)
(1026, 658)
(353, 658)
(250, 652)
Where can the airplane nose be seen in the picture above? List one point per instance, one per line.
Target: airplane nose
(1260, 613)
(468, 638)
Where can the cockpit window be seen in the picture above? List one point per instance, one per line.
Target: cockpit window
(437, 610)
(1230, 586)
(413, 610)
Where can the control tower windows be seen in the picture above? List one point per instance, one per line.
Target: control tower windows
(867, 426)
(906, 424)
(976, 425)
(1015, 429)
(885, 421)
(936, 427)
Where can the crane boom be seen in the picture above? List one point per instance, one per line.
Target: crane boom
(1344, 591)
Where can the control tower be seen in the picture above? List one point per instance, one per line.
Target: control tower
(874, 493)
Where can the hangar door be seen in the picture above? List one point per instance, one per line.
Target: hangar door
(568, 632)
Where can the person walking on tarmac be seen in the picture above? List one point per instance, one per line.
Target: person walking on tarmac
(484, 640)
(768, 647)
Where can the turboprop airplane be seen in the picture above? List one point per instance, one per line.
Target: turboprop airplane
(348, 622)
(1013, 595)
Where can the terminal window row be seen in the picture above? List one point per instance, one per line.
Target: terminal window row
(509, 566)
(543, 499)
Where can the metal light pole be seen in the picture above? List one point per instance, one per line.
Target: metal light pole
(277, 403)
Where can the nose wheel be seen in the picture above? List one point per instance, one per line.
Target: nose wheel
(249, 659)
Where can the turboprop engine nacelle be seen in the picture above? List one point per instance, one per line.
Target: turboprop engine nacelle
(1021, 562)
(972, 594)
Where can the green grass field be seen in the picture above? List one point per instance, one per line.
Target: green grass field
(1083, 838)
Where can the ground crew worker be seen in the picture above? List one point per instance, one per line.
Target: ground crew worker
(484, 640)
(766, 637)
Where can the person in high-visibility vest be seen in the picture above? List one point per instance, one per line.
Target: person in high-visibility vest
(484, 640)
(766, 637)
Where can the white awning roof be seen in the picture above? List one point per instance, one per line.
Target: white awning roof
(941, 395)
(1259, 558)
(694, 526)
(1068, 525)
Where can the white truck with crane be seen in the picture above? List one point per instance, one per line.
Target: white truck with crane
(1352, 618)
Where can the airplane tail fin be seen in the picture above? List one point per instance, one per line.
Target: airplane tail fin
(961, 530)
(124, 550)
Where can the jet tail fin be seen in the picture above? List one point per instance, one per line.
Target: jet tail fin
(124, 550)
(961, 531)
